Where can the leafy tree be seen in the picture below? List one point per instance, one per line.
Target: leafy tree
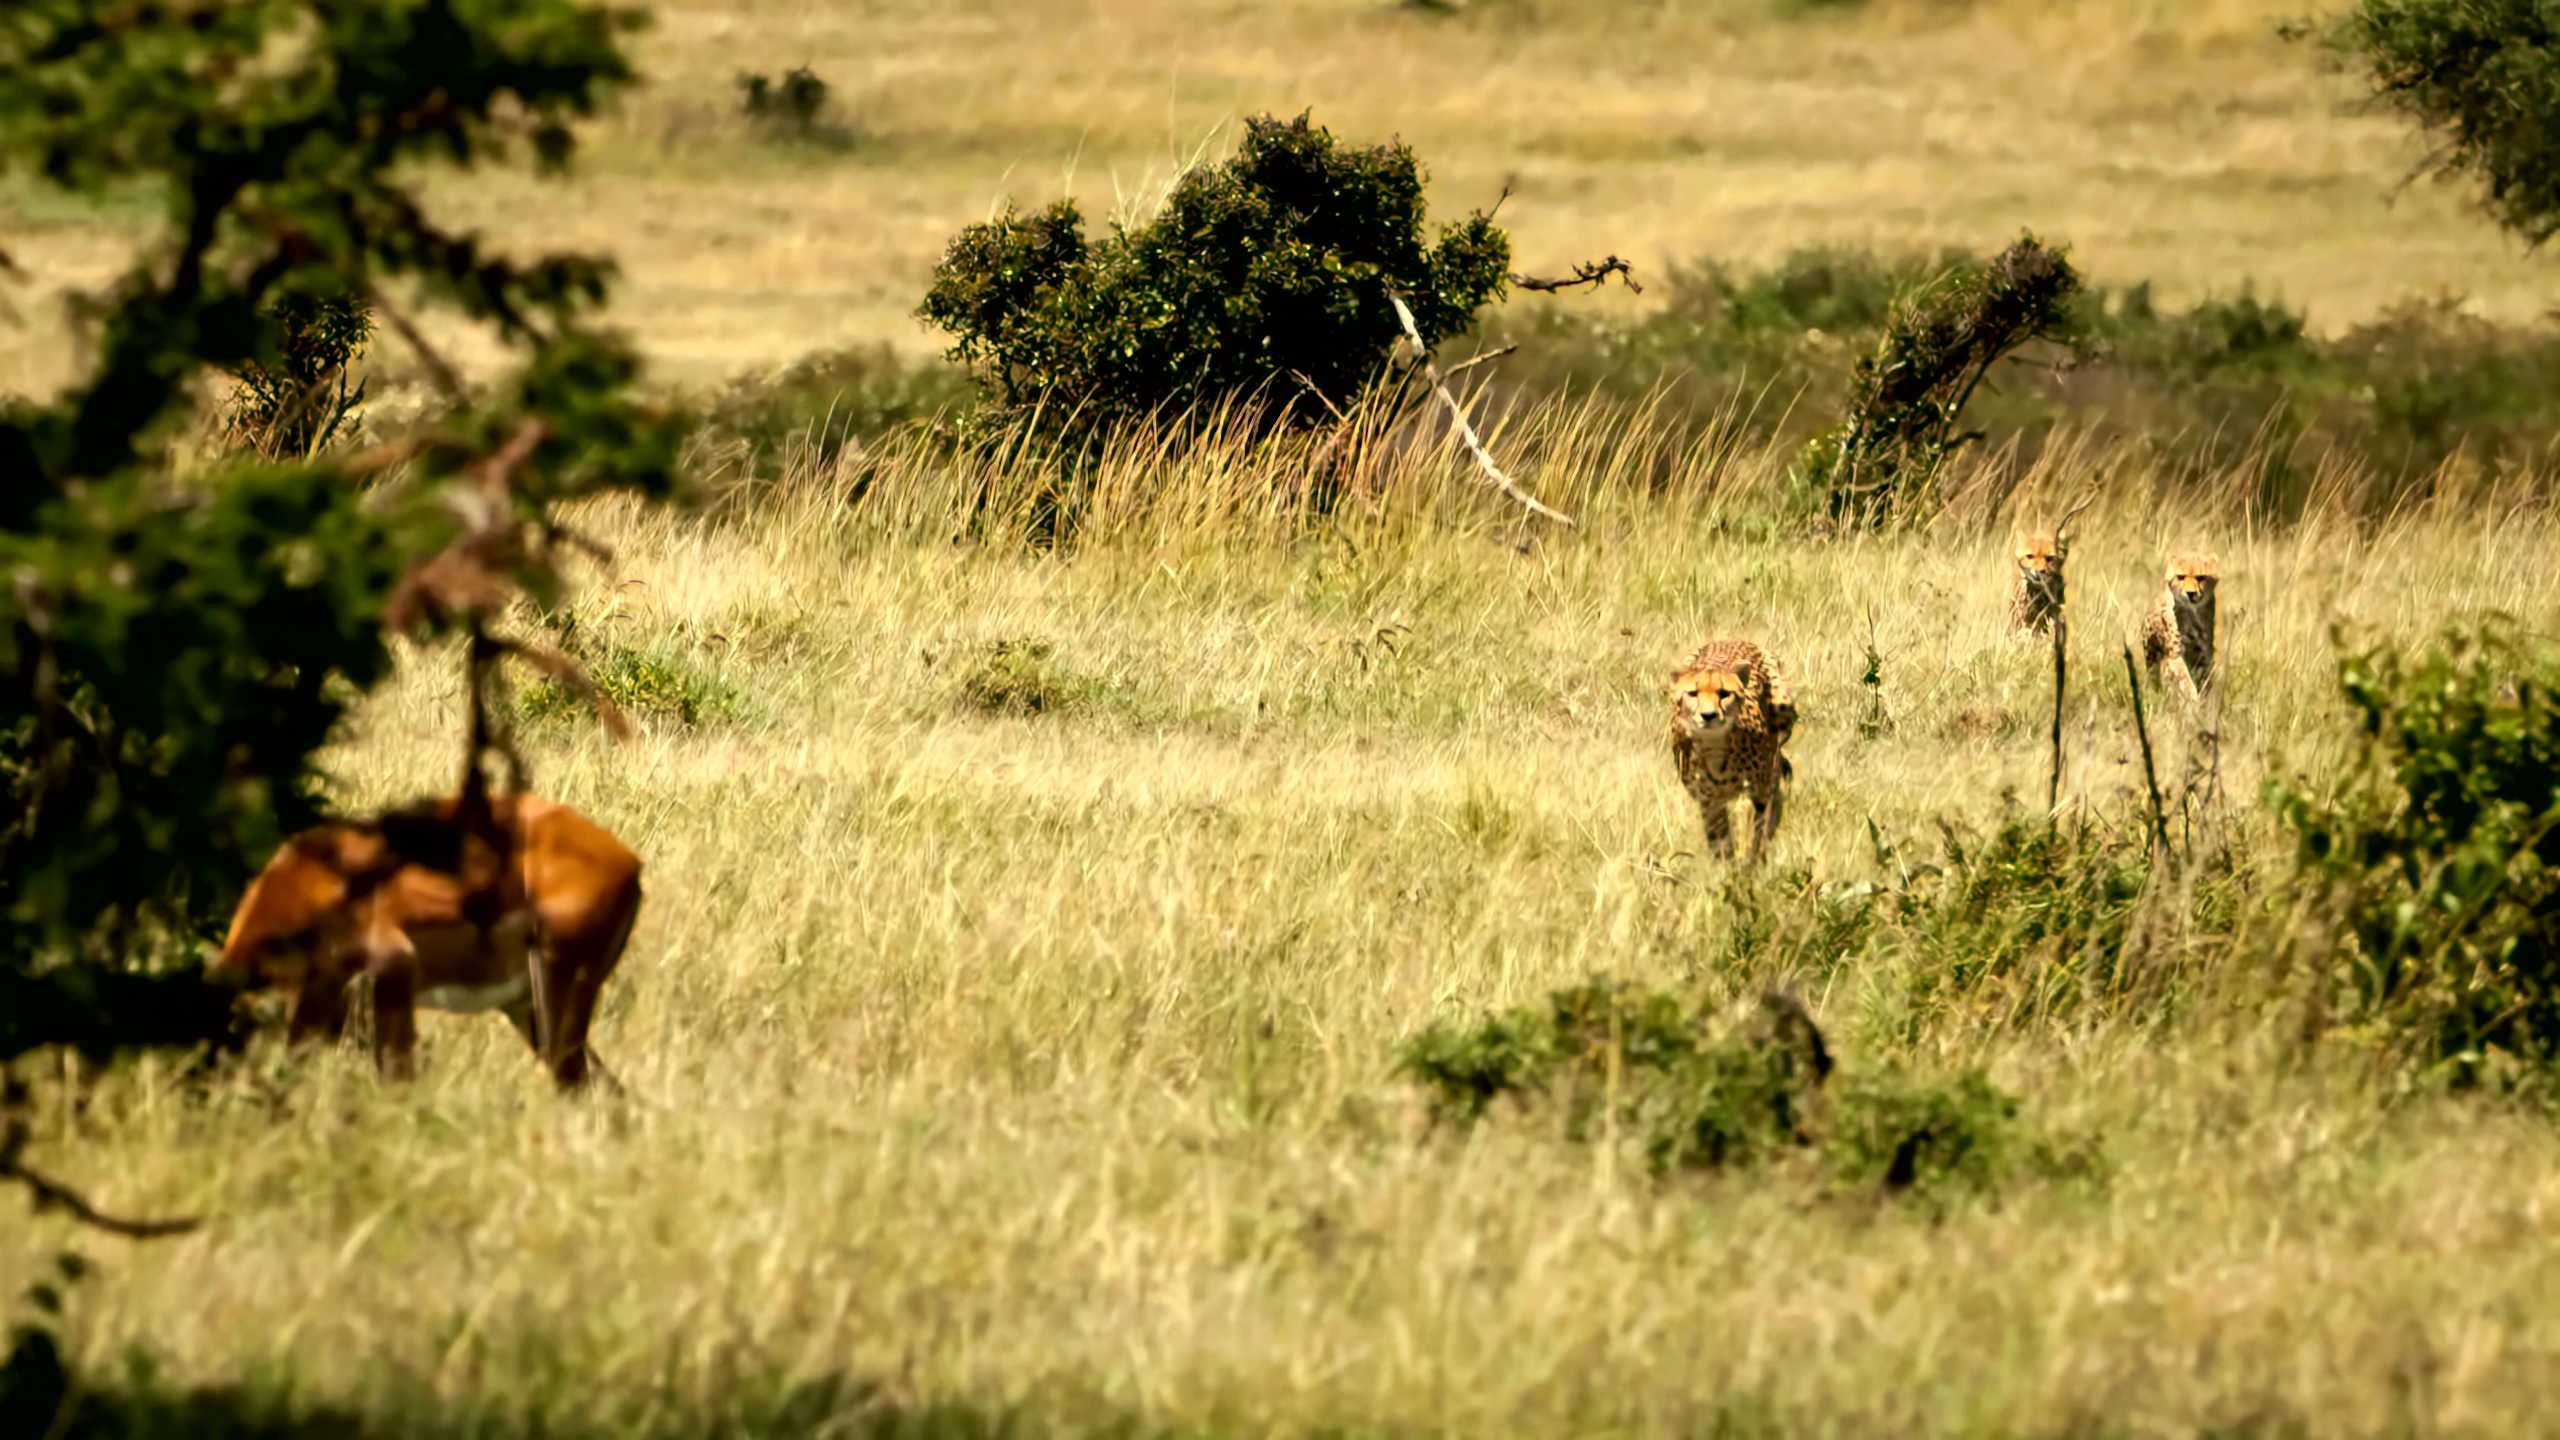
(175, 647)
(1268, 273)
(2482, 77)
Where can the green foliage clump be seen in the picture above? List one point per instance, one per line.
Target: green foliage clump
(1014, 676)
(1613, 1060)
(2483, 78)
(822, 405)
(1260, 276)
(175, 650)
(654, 684)
(296, 407)
(2440, 853)
(1905, 400)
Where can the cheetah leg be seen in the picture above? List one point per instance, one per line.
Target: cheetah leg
(1768, 803)
(2182, 676)
(1719, 829)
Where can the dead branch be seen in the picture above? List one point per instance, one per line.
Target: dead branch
(46, 1194)
(1486, 358)
(1321, 398)
(2062, 530)
(1594, 274)
(1458, 420)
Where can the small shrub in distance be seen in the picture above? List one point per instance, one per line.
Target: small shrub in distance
(1023, 677)
(2441, 852)
(1271, 266)
(793, 107)
(1612, 1059)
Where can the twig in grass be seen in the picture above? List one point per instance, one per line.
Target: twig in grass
(1472, 361)
(1458, 419)
(1321, 398)
(2062, 531)
(2142, 734)
(48, 1194)
(1592, 273)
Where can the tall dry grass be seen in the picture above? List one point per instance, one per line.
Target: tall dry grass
(1031, 1072)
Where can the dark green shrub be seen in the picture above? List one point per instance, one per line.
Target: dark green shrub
(1612, 1059)
(1270, 267)
(298, 398)
(1905, 400)
(792, 108)
(2439, 855)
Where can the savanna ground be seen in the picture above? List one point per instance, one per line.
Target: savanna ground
(1030, 938)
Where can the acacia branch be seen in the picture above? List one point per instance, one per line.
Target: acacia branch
(46, 1194)
(1458, 419)
(1591, 273)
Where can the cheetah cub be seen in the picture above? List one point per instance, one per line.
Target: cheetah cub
(1731, 716)
(2180, 628)
(2035, 603)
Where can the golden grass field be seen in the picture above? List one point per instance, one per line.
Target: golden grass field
(1033, 1074)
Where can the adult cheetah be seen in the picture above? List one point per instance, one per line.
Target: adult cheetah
(1731, 717)
(2035, 600)
(2179, 629)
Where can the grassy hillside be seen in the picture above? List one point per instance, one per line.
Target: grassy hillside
(1030, 943)
(2181, 144)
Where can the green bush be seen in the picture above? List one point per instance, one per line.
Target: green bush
(1609, 1059)
(1260, 276)
(2439, 855)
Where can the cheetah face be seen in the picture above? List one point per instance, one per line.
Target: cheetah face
(2039, 559)
(1707, 702)
(2191, 580)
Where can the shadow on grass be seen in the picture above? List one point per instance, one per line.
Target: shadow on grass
(39, 1396)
